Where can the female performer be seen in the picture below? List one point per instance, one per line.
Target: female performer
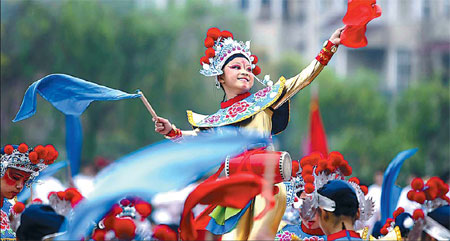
(267, 111)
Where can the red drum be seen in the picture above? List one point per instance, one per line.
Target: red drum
(255, 161)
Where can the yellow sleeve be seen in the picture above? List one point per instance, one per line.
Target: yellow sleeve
(300, 81)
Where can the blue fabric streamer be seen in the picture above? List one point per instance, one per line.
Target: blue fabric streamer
(71, 96)
(74, 140)
(390, 192)
(49, 171)
(157, 168)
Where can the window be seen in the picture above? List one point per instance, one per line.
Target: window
(403, 68)
(285, 8)
(244, 4)
(265, 10)
(426, 9)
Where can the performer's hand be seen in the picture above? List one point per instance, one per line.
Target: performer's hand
(336, 36)
(162, 126)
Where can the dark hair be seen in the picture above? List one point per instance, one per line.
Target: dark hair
(343, 195)
(233, 57)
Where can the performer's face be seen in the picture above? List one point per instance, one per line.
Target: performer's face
(237, 77)
(13, 182)
(313, 223)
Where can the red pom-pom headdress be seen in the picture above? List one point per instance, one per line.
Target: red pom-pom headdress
(431, 195)
(126, 220)
(316, 172)
(220, 46)
(27, 159)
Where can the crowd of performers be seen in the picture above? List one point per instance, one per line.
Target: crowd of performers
(260, 194)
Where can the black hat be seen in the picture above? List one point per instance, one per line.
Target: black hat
(343, 195)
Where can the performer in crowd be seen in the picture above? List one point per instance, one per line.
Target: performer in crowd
(431, 221)
(234, 69)
(340, 204)
(305, 229)
(20, 165)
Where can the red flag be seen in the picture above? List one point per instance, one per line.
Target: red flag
(317, 136)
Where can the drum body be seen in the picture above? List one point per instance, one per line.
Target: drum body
(255, 161)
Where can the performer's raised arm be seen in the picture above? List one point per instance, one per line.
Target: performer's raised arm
(308, 74)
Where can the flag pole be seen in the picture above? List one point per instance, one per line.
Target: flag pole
(147, 105)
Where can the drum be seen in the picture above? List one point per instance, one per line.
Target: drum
(255, 161)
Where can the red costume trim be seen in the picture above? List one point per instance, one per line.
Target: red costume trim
(342, 234)
(325, 54)
(174, 133)
(231, 101)
(317, 231)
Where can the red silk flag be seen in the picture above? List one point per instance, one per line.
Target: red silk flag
(317, 136)
(359, 14)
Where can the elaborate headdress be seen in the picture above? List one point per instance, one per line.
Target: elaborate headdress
(434, 206)
(63, 202)
(318, 171)
(125, 221)
(220, 47)
(27, 159)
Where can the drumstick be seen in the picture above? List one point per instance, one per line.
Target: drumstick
(147, 105)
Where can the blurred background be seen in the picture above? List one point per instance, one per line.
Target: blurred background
(376, 101)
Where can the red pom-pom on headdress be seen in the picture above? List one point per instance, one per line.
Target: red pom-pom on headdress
(417, 184)
(336, 158)
(125, 228)
(364, 189)
(34, 158)
(115, 210)
(309, 188)
(354, 179)
(384, 231)
(418, 213)
(399, 211)
(213, 33)
(411, 194)
(209, 42)
(210, 53)
(8, 149)
(256, 70)
(307, 170)
(308, 178)
(204, 60)
(61, 195)
(346, 170)
(420, 197)
(41, 151)
(52, 154)
(109, 221)
(18, 207)
(226, 34)
(23, 148)
(144, 209)
(125, 202)
(99, 235)
(255, 59)
(310, 159)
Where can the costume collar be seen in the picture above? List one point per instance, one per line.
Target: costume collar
(241, 109)
(343, 233)
(231, 101)
(317, 231)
